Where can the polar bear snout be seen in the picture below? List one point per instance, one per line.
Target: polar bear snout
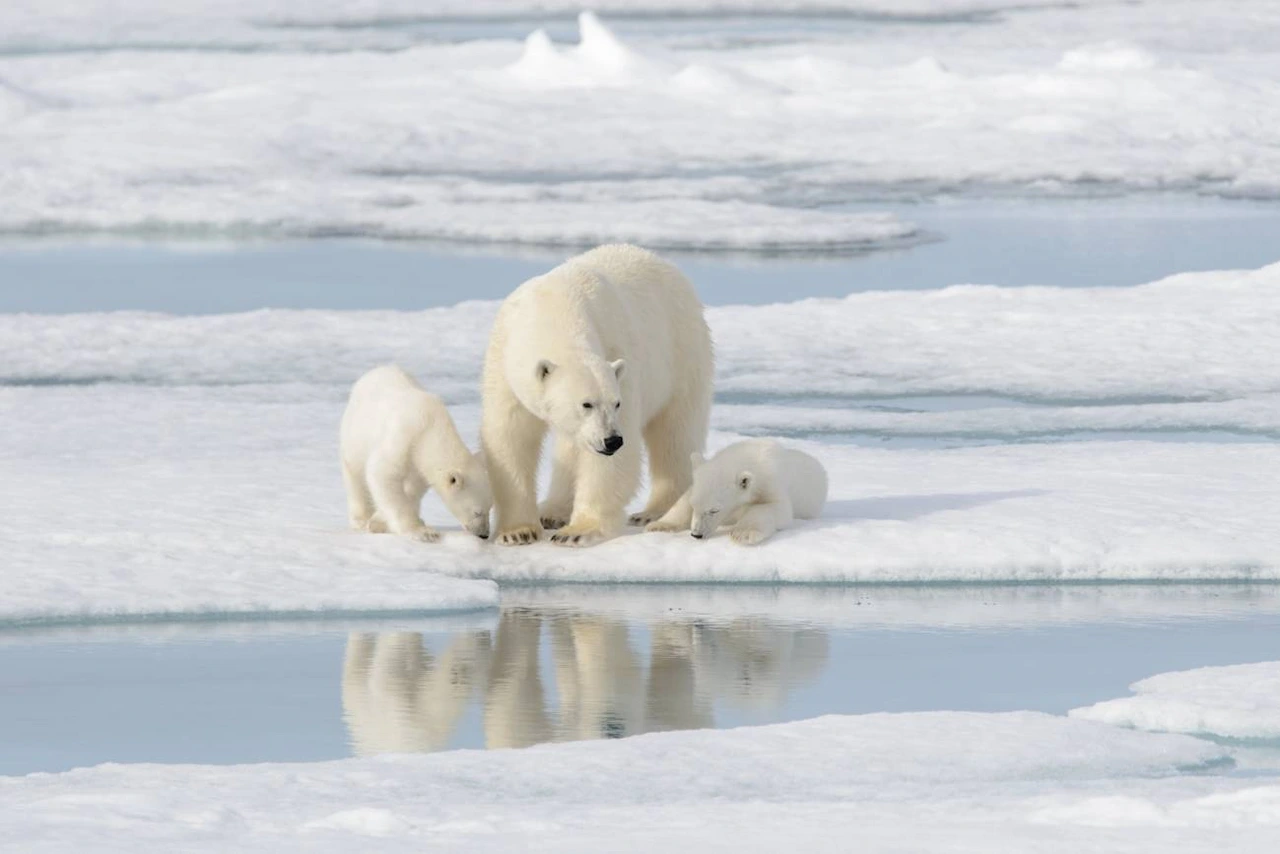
(479, 525)
(611, 445)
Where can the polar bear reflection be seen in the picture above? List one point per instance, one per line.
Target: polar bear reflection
(398, 697)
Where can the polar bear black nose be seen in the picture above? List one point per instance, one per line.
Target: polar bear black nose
(612, 444)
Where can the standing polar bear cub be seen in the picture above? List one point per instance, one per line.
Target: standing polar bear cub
(398, 441)
(606, 349)
(756, 486)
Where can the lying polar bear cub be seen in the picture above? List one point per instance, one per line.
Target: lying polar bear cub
(757, 486)
(397, 441)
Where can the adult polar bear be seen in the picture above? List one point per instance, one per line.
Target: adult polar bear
(608, 347)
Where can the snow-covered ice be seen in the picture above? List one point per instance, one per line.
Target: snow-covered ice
(1239, 701)
(326, 118)
(189, 512)
(1204, 338)
(980, 781)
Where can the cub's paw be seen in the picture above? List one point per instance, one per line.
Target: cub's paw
(426, 535)
(579, 536)
(640, 520)
(747, 536)
(661, 527)
(521, 535)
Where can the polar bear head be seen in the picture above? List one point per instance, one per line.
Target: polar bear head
(583, 401)
(720, 487)
(465, 491)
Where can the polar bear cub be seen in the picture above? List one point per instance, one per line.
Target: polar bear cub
(398, 441)
(756, 486)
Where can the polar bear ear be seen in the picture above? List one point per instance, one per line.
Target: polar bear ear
(744, 480)
(544, 369)
(697, 459)
(619, 368)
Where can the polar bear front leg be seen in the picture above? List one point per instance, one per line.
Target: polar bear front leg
(387, 483)
(604, 486)
(678, 518)
(558, 506)
(760, 522)
(512, 440)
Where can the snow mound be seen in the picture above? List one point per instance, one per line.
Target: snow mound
(599, 58)
(1240, 701)
(1109, 57)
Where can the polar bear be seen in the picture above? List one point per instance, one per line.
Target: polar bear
(398, 698)
(757, 486)
(606, 348)
(397, 441)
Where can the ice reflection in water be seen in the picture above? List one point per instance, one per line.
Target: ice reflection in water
(399, 696)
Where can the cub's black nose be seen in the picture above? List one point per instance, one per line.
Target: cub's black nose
(612, 444)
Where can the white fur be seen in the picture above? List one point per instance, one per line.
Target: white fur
(397, 442)
(621, 330)
(756, 487)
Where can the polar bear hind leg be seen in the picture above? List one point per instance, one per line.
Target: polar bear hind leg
(671, 437)
(555, 510)
(512, 440)
(360, 507)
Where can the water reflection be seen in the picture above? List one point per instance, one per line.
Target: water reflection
(556, 675)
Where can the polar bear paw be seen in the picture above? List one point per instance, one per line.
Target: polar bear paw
(661, 527)
(640, 520)
(521, 535)
(745, 536)
(426, 535)
(579, 536)
(375, 524)
(551, 523)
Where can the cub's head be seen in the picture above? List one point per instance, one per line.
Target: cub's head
(583, 401)
(465, 491)
(719, 488)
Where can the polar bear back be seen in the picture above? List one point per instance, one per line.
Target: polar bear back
(388, 409)
(806, 482)
(618, 301)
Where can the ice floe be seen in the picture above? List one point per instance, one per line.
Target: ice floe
(228, 119)
(1239, 701)
(977, 781)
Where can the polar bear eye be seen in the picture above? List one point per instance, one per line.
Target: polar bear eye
(586, 406)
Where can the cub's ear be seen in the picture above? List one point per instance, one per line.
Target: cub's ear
(744, 480)
(544, 370)
(697, 459)
(619, 368)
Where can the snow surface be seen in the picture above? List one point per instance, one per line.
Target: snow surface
(1199, 338)
(189, 512)
(1239, 701)
(910, 780)
(292, 118)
